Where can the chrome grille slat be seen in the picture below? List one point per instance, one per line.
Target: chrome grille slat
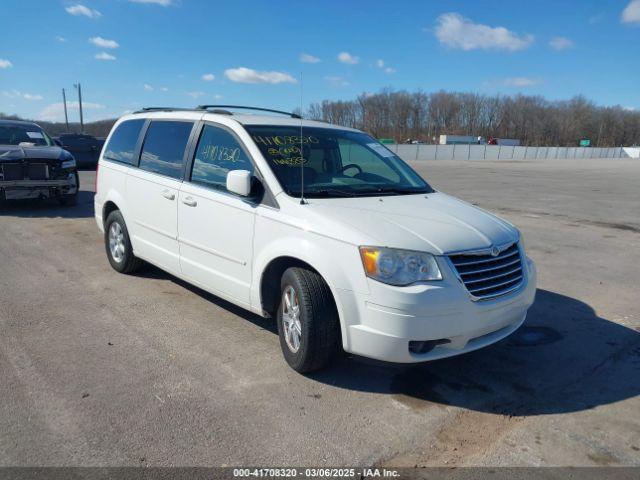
(499, 257)
(473, 272)
(510, 272)
(486, 276)
(502, 292)
(519, 277)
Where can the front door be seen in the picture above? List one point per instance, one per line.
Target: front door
(215, 227)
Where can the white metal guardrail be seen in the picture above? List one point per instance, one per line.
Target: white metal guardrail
(504, 152)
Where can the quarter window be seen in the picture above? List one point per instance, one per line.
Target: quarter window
(164, 146)
(217, 154)
(123, 141)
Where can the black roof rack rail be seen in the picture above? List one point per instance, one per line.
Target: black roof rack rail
(163, 109)
(242, 107)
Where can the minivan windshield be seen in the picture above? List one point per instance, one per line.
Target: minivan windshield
(334, 163)
(15, 134)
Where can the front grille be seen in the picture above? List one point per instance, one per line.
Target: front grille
(486, 276)
(19, 171)
(36, 171)
(11, 171)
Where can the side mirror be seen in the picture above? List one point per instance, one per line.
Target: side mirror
(239, 182)
(57, 142)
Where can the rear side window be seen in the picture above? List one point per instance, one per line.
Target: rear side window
(123, 141)
(218, 153)
(164, 146)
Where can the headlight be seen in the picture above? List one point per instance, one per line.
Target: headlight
(399, 267)
(69, 163)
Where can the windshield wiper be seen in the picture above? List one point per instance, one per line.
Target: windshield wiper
(336, 192)
(328, 192)
(401, 191)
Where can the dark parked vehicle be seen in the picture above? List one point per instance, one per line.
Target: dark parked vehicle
(84, 148)
(33, 166)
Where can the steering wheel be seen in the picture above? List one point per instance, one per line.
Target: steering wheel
(351, 165)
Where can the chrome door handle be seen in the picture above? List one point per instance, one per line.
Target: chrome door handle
(169, 195)
(189, 202)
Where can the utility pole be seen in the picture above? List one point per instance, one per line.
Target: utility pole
(66, 117)
(79, 87)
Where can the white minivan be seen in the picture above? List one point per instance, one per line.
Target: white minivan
(317, 225)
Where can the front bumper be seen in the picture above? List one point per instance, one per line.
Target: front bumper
(438, 311)
(25, 189)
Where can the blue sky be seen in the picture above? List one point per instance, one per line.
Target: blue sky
(133, 53)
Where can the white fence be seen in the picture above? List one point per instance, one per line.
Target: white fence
(500, 152)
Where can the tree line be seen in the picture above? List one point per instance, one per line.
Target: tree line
(422, 116)
(533, 120)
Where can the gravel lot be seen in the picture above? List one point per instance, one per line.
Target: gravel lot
(99, 368)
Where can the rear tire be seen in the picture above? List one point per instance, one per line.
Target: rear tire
(308, 324)
(118, 244)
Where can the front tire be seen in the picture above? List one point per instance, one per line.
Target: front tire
(308, 324)
(118, 244)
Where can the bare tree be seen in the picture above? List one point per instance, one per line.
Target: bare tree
(531, 119)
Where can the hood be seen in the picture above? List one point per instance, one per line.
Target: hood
(436, 222)
(12, 153)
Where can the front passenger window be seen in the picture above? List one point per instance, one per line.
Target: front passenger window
(218, 153)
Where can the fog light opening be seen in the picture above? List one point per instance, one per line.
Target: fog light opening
(421, 347)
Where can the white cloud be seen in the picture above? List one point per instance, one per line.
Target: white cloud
(23, 95)
(104, 56)
(346, 57)
(520, 81)
(61, 39)
(195, 95)
(32, 96)
(55, 111)
(560, 43)
(5, 63)
(336, 81)
(382, 66)
(455, 31)
(148, 87)
(631, 14)
(103, 42)
(248, 75)
(217, 96)
(307, 58)
(163, 3)
(80, 9)
(164, 89)
(208, 77)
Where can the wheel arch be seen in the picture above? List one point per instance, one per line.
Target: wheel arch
(108, 207)
(270, 280)
(111, 201)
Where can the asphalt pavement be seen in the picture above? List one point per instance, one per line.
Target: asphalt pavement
(101, 369)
